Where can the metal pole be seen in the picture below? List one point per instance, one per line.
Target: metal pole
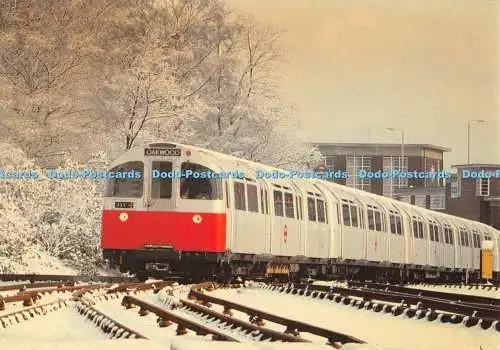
(402, 149)
(468, 142)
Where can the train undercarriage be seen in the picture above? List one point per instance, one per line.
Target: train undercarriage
(199, 266)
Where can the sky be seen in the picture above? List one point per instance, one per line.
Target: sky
(356, 67)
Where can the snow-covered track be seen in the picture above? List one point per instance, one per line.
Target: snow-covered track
(24, 286)
(293, 327)
(399, 303)
(27, 299)
(463, 298)
(55, 278)
(166, 317)
(114, 329)
(251, 331)
(141, 286)
(495, 285)
(25, 314)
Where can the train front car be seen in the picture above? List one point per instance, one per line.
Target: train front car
(165, 221)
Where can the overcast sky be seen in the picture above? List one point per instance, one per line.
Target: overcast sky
(356, 67)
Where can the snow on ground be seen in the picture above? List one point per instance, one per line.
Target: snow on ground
(46, 298)
(376, 329)
(36, 262)
(492, 293)
(63, 324)
(331, 283)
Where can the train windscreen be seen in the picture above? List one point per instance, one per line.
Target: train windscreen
(126, 185)
(197, 185)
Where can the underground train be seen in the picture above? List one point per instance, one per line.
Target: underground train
(158, 220)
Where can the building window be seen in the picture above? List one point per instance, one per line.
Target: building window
(329, 162)
(483, 187)
(420, 200)
(354, 164)
(391, 183)
(438, 202)
(456, 188)
(432, 165)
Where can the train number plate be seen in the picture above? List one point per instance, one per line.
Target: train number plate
(162, 152)
(124, 205)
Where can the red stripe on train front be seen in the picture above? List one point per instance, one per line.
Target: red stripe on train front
(201, 232)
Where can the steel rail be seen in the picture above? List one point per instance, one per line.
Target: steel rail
(166, 317)
(291, 325)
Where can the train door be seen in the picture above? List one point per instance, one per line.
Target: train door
(229, 213)
(239, 211)
(264, 210)
(160, 189)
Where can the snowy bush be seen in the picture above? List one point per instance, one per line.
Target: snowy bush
(59, 218)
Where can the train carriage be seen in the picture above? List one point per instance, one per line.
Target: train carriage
(162, 223)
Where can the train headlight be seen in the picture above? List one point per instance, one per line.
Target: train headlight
(123, 217)
(197, 219)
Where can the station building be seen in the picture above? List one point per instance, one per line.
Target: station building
(473, 197)
(353, 157)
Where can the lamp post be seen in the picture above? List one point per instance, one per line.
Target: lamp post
(477, 121)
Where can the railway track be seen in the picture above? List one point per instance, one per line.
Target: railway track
(192, 313)
(462, 298)
(397, 303)
(66, 278)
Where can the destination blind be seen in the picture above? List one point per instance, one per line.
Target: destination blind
(162, 152)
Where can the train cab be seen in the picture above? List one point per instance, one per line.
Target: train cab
(163, 206)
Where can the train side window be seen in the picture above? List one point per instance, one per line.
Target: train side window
(253, 201)
(262, 201)
(311, 209)
(161, 188)
(420, 229)
(487, 236)
(431, 232)
(378, 221)
(338, 214)
(399, 224)
(321, 210)
(227, 194)
(297, 207)
(415, 228)
(301, 217)
(346, 213)
(199, 188)
(392, 223)
(354, 215)
(450, 233)
(477, 241)
(371, 219)
(266, 201)
(361, 218)
(239, 196)
(278, 203)
(326, 213)
(126, 188)
(289, 210)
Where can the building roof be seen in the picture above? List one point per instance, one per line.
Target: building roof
(416, 145)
